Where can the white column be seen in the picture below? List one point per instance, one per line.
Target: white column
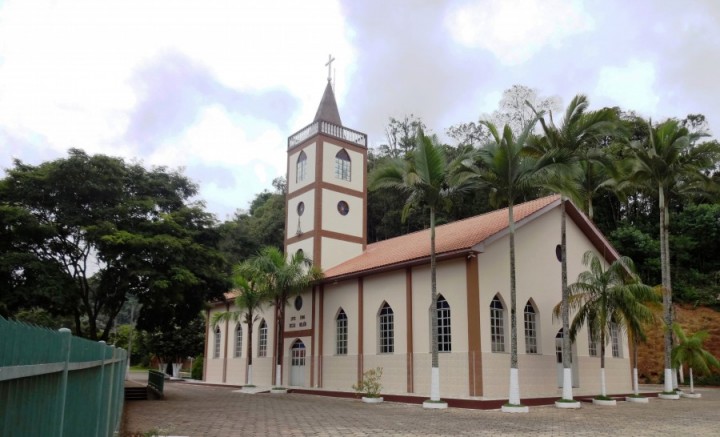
(668, 387)
(435, 384)
(514, 397)
(636, 387)
(567, 384)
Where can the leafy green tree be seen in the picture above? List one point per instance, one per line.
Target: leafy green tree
(280, 277)
(92, 230)
(670, 162)
(690, 351)
(247, 281)
(505, 167)
(573, 142)
(605, 299)
(174, 344)
(425, 179)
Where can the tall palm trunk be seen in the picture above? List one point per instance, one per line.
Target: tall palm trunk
(567, 392)
(514, 397)
(666, 286)
(435, 371)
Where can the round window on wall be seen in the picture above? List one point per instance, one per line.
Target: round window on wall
(558, 252)
(301, 208)
(298, 303)
(343, 207)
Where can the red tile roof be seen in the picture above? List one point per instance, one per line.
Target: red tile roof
(459, 236)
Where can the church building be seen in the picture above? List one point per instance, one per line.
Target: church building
(373, 307)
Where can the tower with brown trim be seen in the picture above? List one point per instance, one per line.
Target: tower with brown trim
(327, 188)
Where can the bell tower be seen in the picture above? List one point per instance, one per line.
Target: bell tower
(327, 188)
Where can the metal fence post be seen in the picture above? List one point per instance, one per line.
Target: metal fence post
(66, 338)
(110, 392)
(100, 389)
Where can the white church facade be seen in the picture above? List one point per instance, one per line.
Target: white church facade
(372, 309)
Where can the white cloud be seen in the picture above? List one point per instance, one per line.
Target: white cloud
(630, 86)
(514, 31)
(67, 69)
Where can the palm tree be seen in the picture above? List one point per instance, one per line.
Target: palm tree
(669, 161)
(636, 333)
(280, 278)
(509, 172)
(570, 144)
(606, 299)
(248, 301)
(426, 179)
(690, 351)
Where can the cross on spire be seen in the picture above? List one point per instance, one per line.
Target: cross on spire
(329, 66)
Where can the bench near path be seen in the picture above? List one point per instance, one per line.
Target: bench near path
(202, 410)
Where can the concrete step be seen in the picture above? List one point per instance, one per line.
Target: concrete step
(136, 393)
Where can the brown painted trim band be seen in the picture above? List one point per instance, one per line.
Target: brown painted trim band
(317, 252)
(409, 330)
(297, 334)
(472, 282)
(225, 355)
(313, 341)
(320, 331)
(360, 330)
(326, 234)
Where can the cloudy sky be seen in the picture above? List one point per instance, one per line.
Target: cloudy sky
(216, 87)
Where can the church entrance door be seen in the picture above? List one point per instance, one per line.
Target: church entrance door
(559, 360)
(297, 364)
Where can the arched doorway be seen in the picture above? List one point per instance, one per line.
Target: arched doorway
(297, 364)
(559, 360)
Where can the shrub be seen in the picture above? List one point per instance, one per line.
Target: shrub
(370, 385)
(197, 368)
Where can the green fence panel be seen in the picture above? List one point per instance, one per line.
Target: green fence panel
(54, 384)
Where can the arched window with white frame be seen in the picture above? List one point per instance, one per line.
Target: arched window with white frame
(497, 325)
(615, 342)
(342, 165)
(444, 336)
(531, 328)
(341, 333)
(216, 344)
(386, 329)
(301, 167)
(262, 339)
(238, 340)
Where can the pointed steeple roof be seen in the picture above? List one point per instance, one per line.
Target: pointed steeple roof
(328, 110)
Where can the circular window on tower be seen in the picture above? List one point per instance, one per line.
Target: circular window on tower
(558, 252)
(343, 207)
(301, 208)
(298, 303)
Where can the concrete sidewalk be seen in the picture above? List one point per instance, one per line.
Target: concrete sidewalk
(201, 410)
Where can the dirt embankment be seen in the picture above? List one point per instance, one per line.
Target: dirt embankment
(692, 320)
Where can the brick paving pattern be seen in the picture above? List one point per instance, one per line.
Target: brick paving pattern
(198, 410)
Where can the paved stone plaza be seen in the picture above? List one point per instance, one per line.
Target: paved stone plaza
(198, 410)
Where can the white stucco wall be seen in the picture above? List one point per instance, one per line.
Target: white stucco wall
(332, 220)
(538, 277)
(307, 219)
(335, 251)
